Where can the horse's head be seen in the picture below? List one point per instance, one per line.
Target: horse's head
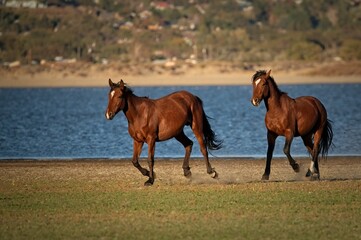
(260, 86)
(116, 99)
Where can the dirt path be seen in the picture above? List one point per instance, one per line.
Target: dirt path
(169, 171)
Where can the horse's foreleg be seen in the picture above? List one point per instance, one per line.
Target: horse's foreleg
(187, 144)
(271, 139)
(137, 149)
(287, 151)
(151, 150)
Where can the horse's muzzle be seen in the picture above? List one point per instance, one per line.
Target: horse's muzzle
(255, 102)
(109, 115)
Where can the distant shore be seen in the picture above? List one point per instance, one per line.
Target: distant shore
(88, 75)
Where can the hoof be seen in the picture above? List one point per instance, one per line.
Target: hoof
(296, 167)
(149, 182)
(308, 174)
(315, 177)
(214, 174)
(265, 177)
(188, 174)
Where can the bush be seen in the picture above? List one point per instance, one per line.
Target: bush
(304, 51)
(351, 50)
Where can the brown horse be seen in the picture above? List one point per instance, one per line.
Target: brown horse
(288, 117)
(151, 121)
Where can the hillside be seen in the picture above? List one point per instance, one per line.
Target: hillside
(129, 32)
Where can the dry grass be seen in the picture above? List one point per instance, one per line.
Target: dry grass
(337, 69)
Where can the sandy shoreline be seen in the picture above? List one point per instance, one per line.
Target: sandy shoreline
(97, 76)
(229, 79)
(169, 171)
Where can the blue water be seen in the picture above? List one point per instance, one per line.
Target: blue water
(69, 122)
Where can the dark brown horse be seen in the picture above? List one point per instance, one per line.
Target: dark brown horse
(288, 117)
(151, 121)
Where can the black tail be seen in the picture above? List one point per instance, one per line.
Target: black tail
(210, 137)
(326, 139)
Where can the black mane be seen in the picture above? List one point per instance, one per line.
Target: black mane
(128, 90)
(260, 73)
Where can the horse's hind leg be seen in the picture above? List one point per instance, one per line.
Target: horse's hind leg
(314, 169)
(187, 143)
(307, 141)
(204, 151)
(197, 128)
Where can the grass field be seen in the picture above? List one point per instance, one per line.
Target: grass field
(107, 200)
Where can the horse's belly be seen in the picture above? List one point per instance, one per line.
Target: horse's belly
(169, 132)
(304, 130)
(164, 137)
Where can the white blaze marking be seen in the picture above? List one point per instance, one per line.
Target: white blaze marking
(257, 81)
(107, 115)
(112, 93)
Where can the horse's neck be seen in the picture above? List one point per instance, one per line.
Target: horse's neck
(132, 107)
(273, 101)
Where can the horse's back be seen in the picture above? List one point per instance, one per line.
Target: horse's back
(174, 111)
(180, 99)
(310, 103)
(176, 95)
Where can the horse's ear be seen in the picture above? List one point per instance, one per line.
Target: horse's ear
(121, 84)
(268, 74)
(111, 84)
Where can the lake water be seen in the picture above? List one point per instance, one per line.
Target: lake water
(69, 123)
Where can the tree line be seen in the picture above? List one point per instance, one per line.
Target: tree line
(141, 31)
